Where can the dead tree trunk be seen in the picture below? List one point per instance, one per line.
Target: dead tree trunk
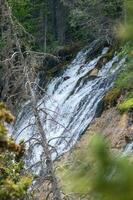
(46, 150)
(49, 162)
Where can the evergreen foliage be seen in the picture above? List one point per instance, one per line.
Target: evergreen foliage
(126, 29)
(61, 21)
(99, 174)
(14, 183)
(90, 19)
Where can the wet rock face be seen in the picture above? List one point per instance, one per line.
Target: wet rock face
(95, 48)
(114, 127)
(100, 109)
(50, 62)
(67, 53)
(94, 72)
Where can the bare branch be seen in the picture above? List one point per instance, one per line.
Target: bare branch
(23, 130)
(52, 119)
(60, 137)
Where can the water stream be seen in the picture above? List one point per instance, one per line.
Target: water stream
(69, 104)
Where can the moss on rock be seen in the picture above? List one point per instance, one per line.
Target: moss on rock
(111, 97)
(126, 105)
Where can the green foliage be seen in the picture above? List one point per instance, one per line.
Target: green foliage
(112, 96)
(32, 16)
(123, 88)
(126, 105)
(22, 11)
(113, 8)
(89, 19)
(2, 44)
(123, 85)
(13, 183)
(125, 78)
(99, 174)
(84, 19)
(125, 81)
(126, 30)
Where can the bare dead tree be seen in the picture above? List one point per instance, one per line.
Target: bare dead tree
(48, 159)
(24, 69)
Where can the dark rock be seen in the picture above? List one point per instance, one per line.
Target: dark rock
(66, 78)
(68, 52)
(95, 48)
(128, 139)
(100, 109)
(50, 62)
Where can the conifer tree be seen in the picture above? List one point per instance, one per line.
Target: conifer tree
(99, 174)
(14, 183)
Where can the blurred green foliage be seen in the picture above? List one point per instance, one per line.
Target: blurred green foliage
(97, 173)
(126, 29)
(125, 79)
(123, 86)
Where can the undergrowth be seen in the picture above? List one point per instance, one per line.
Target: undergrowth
(122, 92)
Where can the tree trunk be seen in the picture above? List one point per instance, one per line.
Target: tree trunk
(49, 162)
(60, 22)
(45, 35)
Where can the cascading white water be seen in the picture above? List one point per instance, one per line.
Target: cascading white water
(70, 102)
(128, 149)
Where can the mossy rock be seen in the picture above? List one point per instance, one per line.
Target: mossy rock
(95, 48)
(111, 97)
(126, 105)
(105, 58)
(66, 53)
(50, 61)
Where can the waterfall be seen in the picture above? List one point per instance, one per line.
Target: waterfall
(128, 149)
(68, 105)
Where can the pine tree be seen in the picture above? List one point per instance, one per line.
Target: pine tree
(98, 174)
(14, 183)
